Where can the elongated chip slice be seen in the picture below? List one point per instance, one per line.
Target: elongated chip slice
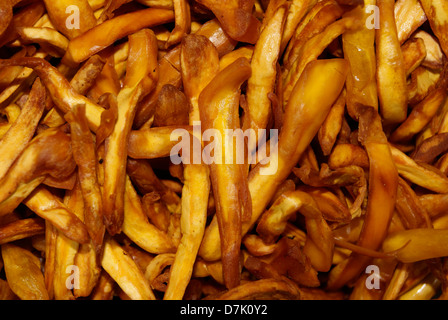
(421, 174)
(21, 229)
(120, 266)
(391, 75)
(51, 208)
(303, 119)
(53, 42)
(196, 51)
(103, 35)
(226, 174)
(437, 14)
(140, 79)
(6, 15)
(71, 18)
(416, 244)
(421, 114)
(264, 72)
(236, 18)
(383, 183)
(262, 289)
(182, 22)
(59, 88)
(137, 227)
(23, 129)
(409, 15)
(359, 50)
(86, 159)
(49, 153)
(23, 272)
(312, 49)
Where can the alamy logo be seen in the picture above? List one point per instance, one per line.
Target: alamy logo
(232, 147)
(73, 20)
(373, 20)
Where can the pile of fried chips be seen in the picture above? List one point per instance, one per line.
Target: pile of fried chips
(93, 207)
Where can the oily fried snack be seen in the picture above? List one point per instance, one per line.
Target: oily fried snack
(302, 121)
(391, 79)
(264, 72)
(103, 35)
(23, 273)
(22, 130)
(140, 79)
(196, 50)
(235, 149)
(229, 187)
(57, 12)
(383, 183)
(85, 157)
(236, 18)
(48, 154)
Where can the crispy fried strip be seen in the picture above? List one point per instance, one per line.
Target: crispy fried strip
(23, 273)
(59, 14)
(21, 229)
(85, 157)
(332, 125)
(182, 18)
(66, 250)
(409, 16)
(87, 75)
(383, 183)
(87, 259)
(137, 227)
(319, 242)
(414, 53)
(359, 50)
(431, 148)
(303, 118)
(409, 208)
(312, 49)
(105, 288)
(417, 244)
(105, 34)
(437, 13)
(196, 51)
(166, 4)
(155, 142)
(236, 18)
(227, 177)
(140, 79)
(297, 10)
(434, 56)
(391, 76)
(170, 67)
(422, 174)
(316, 20)
(156, 266)
(49, 153)
(332, 207)
(50, 256)
(6, 15)
(120, 266)
(51, 40)
(25, 17)
(48, 206)
(264, 72)
(59, 88)
(263, 289)
(109, 8)
(23, 129)
(420, 115)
